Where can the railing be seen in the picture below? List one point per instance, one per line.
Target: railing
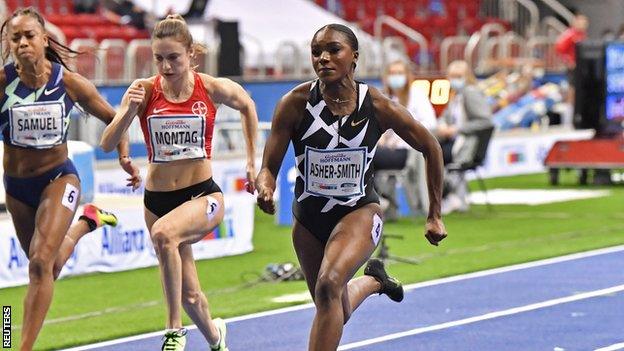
(141, 68)
(560, 9)
(288, 60)
(552, 27)
(112, 59)
(543, 49)
(476, 50)
(451, 49)
(86, 63)
(423, 52)
(522, 14)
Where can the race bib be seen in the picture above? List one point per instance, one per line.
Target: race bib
(338, 172)
(39, 125)
(177, 137)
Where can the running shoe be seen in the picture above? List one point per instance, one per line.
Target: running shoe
(174, 340)
(389, 286)
(220, 323)
(96, 217)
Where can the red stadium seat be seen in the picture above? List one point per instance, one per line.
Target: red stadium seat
(57, 19)
(89, 20)
(72, 32)
(350, 11)
(12, 5)
(371, 8)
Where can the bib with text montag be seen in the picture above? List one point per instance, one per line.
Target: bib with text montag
(39, 125)
(336, 173)
(177, 137)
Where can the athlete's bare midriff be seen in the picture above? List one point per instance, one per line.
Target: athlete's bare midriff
(177, 174)
(24, 162)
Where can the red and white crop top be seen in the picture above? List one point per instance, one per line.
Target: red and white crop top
(178, 130)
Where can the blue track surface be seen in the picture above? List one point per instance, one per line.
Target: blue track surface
(585, 324)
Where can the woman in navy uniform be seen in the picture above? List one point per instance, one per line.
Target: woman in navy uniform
(37, 93)
(334, 123)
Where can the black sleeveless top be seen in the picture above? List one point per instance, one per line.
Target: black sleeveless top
(334, 158)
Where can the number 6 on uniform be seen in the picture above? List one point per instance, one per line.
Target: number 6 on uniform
(70, 197)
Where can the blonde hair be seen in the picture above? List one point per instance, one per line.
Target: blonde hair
(175, 26)
(403, 93)
(464, 67)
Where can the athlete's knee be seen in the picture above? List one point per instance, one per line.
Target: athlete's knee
(39, 268)
(329, 288)
(192, 297)
(162, 236)
(56, 270)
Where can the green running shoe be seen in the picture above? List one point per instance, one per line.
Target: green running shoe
(174, 340)
(96, 217)
(220, 323)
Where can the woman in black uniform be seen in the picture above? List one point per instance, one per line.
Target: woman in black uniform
(334, 124)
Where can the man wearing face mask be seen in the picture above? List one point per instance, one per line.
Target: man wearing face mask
(395, 154)
(467, 112)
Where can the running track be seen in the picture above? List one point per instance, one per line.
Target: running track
(573, 302)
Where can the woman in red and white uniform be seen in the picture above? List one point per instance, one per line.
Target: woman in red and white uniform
(177, 109)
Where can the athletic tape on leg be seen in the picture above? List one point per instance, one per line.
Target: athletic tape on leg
(213, 207)
(377, 228)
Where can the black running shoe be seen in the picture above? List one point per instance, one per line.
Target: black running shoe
(389, 286)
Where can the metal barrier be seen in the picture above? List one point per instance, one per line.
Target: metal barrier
(543, 48)
(288, 60)
(451, 49)
(423, 52)
(552, 27)
(85, 64)
(111, 61)
(523, 15)
(139, 62)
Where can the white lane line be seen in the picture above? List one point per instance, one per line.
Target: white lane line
(491, 315)
(614, 347)
(547, 261)
(515, 267)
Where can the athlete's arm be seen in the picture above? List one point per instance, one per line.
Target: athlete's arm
(394, 116)
(115, 131)
(2, 82)
(285, 118)
(84, 92)
(225, 91)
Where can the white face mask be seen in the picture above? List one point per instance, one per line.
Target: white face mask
(397, 81)
(458, 84)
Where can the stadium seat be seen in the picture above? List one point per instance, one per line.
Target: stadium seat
(471, 155)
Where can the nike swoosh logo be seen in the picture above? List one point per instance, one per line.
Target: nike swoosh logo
(57, 177)
(49, 92)
(355, 124)
(198, 195)
(159, 110)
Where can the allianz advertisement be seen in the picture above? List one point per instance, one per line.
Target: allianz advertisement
(128, 246)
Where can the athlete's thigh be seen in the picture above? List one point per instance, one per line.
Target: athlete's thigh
(23, 217)
(192, 220)
(309, 252)
(352, 241)
(150, 218)
(55, 213)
